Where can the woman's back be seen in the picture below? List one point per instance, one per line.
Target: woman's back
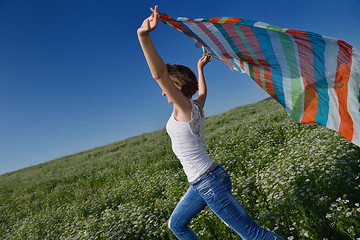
(188, 143)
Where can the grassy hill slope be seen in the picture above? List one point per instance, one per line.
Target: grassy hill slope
(301, 181)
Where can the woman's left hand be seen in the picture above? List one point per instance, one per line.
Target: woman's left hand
(205, 59)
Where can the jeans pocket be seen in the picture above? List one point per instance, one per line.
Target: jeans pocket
(206, 191)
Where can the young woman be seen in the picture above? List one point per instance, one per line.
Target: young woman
(210, 185)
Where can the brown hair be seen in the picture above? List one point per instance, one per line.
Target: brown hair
(183, 77)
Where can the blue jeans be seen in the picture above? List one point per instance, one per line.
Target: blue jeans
(213, 189)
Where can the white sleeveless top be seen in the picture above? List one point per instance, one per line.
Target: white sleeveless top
(188, 143)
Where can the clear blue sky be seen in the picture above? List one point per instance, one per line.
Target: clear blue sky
(73, 77)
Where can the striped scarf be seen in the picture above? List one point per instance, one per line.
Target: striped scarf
(315, 78)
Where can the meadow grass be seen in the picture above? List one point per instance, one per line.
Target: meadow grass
(300, 181)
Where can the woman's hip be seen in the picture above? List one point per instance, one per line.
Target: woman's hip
(214, 181)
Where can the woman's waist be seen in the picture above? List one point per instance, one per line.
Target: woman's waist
(194, 168)
(214, 170)
(193, 154)
(188, 146)
(209, 169)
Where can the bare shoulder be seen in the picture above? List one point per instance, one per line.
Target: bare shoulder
(200, 105)
(200, 100)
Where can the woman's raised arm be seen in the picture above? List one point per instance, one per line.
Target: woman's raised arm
(158, 68)
(201, 98)
(155, 62)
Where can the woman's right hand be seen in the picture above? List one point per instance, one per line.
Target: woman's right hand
(149, 23)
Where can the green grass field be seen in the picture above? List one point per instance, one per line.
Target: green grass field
(300, 181)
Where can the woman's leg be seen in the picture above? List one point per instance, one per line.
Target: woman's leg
(215, 189)
(188, 207)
